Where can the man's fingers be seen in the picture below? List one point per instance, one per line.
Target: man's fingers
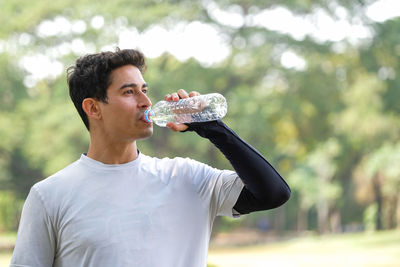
(182, 93)
(168, 97)
(176, 127)
(175, 96)
(194, 93)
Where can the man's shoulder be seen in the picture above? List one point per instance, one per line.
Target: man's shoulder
(58, 179)
(179, 167)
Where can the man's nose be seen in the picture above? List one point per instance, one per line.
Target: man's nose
(145, 101)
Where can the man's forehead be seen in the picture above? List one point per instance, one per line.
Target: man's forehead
(127, 74)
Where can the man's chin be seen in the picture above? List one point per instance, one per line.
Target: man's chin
(148, 133)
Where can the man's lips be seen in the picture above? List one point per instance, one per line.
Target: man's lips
(143, 118)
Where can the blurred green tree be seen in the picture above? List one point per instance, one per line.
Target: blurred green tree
(340, 92)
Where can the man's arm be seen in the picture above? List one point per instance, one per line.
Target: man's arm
(35, 244)
(264, 187)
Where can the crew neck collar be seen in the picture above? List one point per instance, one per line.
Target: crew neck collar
(100, 165)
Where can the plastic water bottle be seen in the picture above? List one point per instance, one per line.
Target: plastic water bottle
(193, 109)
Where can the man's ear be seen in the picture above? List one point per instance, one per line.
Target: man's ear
(91, 108)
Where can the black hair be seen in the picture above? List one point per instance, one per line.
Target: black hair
(91, 75)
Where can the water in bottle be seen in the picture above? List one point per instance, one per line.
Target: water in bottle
(193, 109)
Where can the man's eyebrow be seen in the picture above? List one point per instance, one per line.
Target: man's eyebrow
(133, 85)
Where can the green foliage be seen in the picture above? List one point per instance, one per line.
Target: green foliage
(370, 215)
(330, 128)
(11, 86)
(381, 172)
(382, 56)
(10, 209)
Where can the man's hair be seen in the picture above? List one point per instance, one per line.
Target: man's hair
(91, 75)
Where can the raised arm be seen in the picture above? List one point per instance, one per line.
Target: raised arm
(264, 187)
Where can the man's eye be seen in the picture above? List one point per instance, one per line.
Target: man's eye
(144, 91)
(128, 92)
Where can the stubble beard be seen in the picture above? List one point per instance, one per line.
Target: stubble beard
(147, 133)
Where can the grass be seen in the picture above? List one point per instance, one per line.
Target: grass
(7, 241)
(360, 249)
(5, 258)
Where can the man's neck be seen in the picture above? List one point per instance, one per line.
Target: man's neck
(112, 152)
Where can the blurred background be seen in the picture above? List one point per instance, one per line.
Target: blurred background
(313, 85)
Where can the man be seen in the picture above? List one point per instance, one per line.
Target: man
(117, 207)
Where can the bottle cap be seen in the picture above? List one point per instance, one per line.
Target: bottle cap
(147, 114)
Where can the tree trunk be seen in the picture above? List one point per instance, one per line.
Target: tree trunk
(280, 218)
(322, 215)
(398, 212)
(335, 222)
(302, 220)
(391, 220)
(379, 202)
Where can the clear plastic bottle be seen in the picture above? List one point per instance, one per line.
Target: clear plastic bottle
(193, 109)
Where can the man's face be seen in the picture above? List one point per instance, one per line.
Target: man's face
(123, 114)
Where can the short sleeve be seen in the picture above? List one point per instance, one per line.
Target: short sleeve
(221, 187)
(225, 194)
(35, 245)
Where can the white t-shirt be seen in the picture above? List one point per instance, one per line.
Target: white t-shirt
(148, 212)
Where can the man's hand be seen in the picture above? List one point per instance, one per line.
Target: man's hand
(178, 127)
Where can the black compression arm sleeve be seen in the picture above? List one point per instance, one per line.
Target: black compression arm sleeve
(264, 187)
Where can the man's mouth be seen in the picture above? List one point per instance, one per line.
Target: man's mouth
(143, 118)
